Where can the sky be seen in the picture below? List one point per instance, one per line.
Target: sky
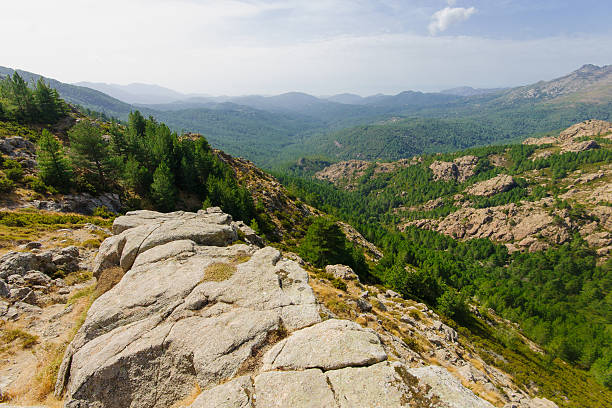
(322, 47)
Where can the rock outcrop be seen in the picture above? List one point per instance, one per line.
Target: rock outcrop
(239, 322)
(83, 203)
(495, 185)
(459, 169)
(569, 139)
(587, 128)
(345, 173)
(511, 223)
(21, 263)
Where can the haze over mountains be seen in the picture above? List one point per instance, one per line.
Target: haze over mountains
(274, 129)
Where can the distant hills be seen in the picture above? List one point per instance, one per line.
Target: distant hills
(469, 91)
(136, 93)
(281, 128)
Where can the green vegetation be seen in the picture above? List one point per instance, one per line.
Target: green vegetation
(325, 244)
(560, 297)
(21, 103)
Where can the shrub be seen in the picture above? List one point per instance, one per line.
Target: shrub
(339, 284)
(6, 185)
(103, 212)
(15, 174)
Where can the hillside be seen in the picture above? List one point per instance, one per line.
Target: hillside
(272, 130)
(498, 224)
(245, 294)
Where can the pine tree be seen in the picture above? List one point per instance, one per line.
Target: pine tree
(90, 153)
(324, 243)
(51, 108)
(163, 190)
(55, 168)
(19, 99)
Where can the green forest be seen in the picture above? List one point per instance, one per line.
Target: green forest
(144, 161)
(560, 297)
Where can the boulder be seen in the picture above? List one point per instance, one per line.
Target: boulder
(168, 315)
(250, 236)
(37, 278)
(21, 263)
(363, 305)
(342, 272)
(329, 345)
(139, 231)
(236, 393)
(447, 388)
(496, 185)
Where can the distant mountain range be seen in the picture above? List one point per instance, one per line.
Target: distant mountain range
(136, 93)
(273, 129)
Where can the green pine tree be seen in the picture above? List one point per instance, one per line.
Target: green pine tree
(55, 168)
(163, 190)
(90, 153)
(324, 243)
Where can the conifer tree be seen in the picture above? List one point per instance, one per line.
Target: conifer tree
(55, 168)
(324, 243)
(90, 153)
(163, 190)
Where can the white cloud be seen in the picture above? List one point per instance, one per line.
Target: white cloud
(442, 19)
(272, 46)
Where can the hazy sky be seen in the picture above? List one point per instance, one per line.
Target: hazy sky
(238, 47)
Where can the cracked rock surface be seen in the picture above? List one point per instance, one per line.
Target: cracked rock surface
(239, 322)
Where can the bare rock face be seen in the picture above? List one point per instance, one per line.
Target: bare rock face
(342, 272)
(444, 386)
(170, 322)
(240, 322)
(567, 138)
(580, 146)
(587, 128)
(82, 203)
(496, 185)
(355, 237)
(345, 170)
(511, 223)
(460, 169)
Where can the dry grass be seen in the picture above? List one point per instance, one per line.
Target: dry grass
(91, 243)
(43, 385)
(48, 367)
(77, 277)
(16, 335)
(218, 272)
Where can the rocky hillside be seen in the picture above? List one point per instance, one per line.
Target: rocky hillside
(588, 84)
(537, 208)
(537, 224)
(197, 319)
